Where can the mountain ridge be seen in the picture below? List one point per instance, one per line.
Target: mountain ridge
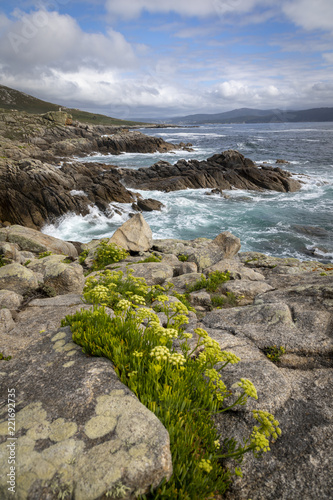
(249, 115)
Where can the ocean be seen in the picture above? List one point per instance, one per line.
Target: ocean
(280, 224)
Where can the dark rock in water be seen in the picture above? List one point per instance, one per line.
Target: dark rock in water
(135, 207)
(215, 191)
(134, 141)
(223, 171)
(281, 161)
(311, 230)
(148, 205)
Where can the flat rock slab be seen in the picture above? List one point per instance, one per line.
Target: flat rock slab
(279, 319)
(79, 431)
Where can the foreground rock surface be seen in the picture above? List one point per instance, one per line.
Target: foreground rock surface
(298, 315)
(74, 416)
(80, 432)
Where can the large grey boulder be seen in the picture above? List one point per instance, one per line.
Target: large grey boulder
(35, 241)
(204, 252)
(134, 235)
(62, 277)
(79, 430)
(229, 243)
(206, 255)
(17, 278)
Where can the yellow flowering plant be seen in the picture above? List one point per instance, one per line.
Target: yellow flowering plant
(184, 390)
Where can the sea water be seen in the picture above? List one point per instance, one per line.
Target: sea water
(282, 224)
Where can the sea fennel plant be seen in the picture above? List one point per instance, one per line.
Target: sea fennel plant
(179, 380)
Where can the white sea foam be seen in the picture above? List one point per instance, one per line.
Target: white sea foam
(93, 225)
(76, 192)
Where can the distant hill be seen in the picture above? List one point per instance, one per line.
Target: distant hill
(14, 99)
(248, 115)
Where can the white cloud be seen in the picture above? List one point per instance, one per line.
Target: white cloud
(45, 40)
(48, 55)
(310, 14)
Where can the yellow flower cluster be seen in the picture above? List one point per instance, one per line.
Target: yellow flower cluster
(205, 465)
(179, 320)
(123, 304)
(145, 313)
(248, 388)
(260, 442)
(161, 353)
(269, 425)
(138, 299)
(230, 357)
(178, 307)
(162, 298)
(177, 359)
(98, 294)
(138, 354)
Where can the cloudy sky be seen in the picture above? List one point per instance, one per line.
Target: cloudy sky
(162, 58)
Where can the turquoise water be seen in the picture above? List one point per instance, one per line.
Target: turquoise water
(268, 222)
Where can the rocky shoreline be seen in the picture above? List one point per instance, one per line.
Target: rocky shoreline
(82, 433)
(40, 182)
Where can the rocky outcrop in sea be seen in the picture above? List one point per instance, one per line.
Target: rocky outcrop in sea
(227, 170)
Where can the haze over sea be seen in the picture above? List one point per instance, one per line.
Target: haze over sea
(281, 224)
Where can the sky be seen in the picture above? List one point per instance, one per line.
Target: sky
(165, 58)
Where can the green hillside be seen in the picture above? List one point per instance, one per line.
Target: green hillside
(14, 99)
